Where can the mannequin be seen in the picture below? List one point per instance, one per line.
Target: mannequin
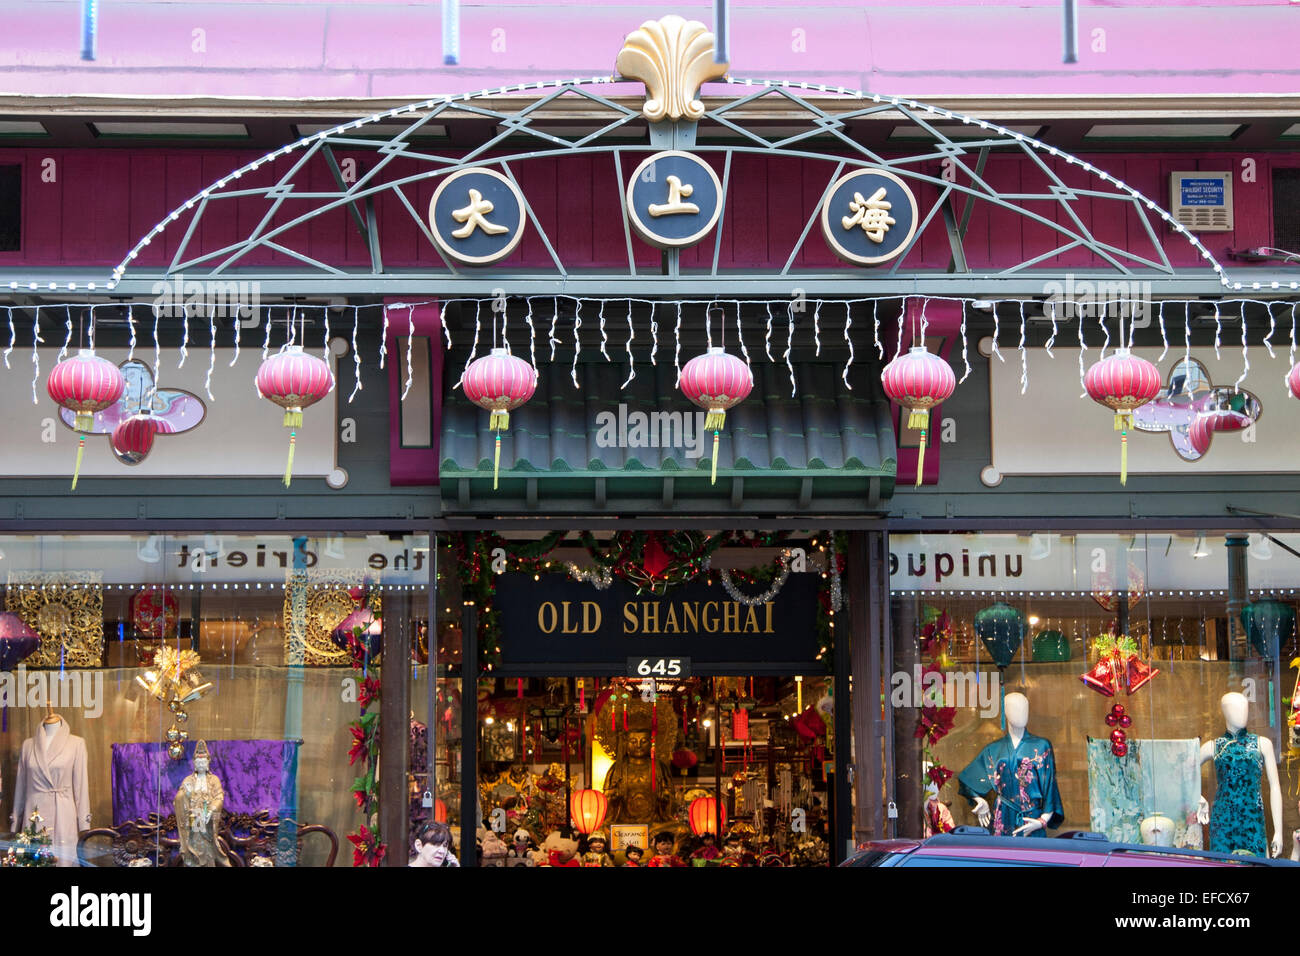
(1021, 768)
(1237, 817)
(52, 780)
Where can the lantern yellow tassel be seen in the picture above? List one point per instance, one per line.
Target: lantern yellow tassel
(496, 462)
(499, 421)
(919, 418)
(84, 421)
(81, 450)
(713, 475)
(1122, 422)
(293, 418)
(288, 466)
(717, 417)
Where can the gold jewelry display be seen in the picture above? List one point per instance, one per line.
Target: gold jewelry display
(66, 608)
(326, 599)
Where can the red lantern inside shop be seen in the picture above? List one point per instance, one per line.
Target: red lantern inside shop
(705, 813)
(587, 807)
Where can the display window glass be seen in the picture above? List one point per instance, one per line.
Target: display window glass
(1132, 684)
(190, 699)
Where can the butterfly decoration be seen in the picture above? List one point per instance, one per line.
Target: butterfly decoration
(1189, 395)
(174, 410)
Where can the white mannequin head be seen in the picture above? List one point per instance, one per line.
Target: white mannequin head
(1016, 707)
(1235, 711)
(1157, 830)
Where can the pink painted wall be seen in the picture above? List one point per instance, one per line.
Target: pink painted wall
(104, 200)
(381, 48)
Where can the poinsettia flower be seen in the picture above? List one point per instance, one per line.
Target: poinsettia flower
(939, 774)
(360, 745)
(368, 851)
(361, 797)
(368, 692)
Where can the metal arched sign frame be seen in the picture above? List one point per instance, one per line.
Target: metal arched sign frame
(521, 139)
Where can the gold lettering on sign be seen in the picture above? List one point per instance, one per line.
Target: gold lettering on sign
(751, 619)
(590, 617)
(730, 617)
(710, 621)
(541, 617)
(670, 621)
(630, 621)
(649, 618)
(566, 628)
(768, 629)
(676, 190)
(691, 616)
(871, 214)
(473, 216)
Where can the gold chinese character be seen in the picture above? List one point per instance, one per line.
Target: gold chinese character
(871, 214)
(473, 217)
(676, 190)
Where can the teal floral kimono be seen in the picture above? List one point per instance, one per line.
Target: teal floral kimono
(1024, 779)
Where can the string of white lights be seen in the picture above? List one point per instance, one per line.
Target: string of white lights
(577, 343)
(817, 327)
(1272, 324)
(848, 324)
(789, 346)
(212, 351)
(1051, 339)
(410, 344)
(1245, 354)
(1218, 329)
(1164, 337)
(185, 335)
(604, 337)
(356, 354)
(631, 360)
(37, 340)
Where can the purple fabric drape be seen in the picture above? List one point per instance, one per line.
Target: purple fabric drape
(255, 774)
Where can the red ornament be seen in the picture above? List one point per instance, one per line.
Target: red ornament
(684, 759)
(1104, 677)
(133, 437)
(1118, 736)
(85, 384)
(500, 383)
(919, 381)
(294, 380)
(1123, 382)
(704, 815)
(1119, 750)
(155, 612)
(716, 381)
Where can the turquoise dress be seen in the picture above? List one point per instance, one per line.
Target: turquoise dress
(1237, 817)
(1024, 778)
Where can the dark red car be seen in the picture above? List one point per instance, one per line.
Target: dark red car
(973, 846)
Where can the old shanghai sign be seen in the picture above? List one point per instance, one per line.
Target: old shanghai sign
(561, 626)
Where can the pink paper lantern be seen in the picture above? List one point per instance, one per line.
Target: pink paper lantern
(1122, 382)
(85, 384)
(716, 381)
(500, 383)
(919, 380)
(294, 380)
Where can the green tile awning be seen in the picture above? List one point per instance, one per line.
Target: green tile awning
(829, 448)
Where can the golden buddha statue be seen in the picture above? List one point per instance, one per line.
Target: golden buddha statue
(639, 784)
(198, 804)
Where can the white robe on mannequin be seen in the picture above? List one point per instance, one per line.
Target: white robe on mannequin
(52, 781)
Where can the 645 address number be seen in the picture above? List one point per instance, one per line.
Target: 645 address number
(659, 667)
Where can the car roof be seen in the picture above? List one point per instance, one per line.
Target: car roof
(1082, 842)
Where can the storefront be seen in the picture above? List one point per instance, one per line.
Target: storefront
(581, 599)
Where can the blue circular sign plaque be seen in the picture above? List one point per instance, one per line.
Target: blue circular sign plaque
(673, 199)
(869, 217)
(477, 216)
